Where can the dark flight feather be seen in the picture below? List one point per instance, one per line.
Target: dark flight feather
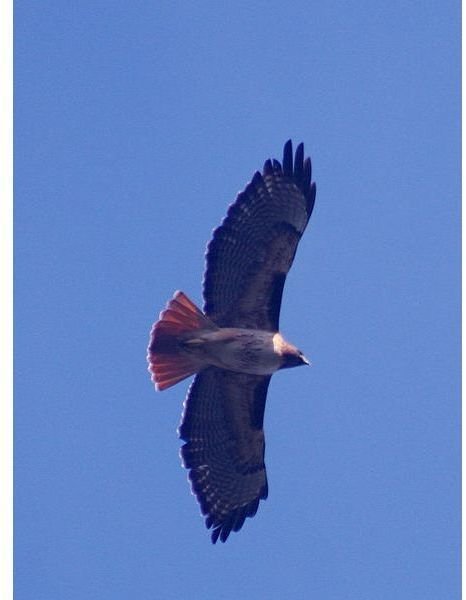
(255, 245)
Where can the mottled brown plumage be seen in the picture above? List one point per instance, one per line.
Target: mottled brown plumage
(234, 346)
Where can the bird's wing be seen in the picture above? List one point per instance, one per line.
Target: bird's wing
(224, 450)
(252, 251)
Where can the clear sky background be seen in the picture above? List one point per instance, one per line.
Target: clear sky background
(136, 125)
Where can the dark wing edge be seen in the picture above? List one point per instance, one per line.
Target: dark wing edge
(300, 172)
(224, 451)
(255, 218)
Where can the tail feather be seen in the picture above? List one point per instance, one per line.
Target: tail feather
(169, 361)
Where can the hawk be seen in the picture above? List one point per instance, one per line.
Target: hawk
(234, 345)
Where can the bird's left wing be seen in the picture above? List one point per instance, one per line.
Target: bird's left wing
(222, 426)
(252, 251)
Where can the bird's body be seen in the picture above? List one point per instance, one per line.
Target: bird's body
(234, 346)
(241, 350)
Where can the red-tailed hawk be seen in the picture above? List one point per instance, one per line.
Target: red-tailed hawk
(234, 345)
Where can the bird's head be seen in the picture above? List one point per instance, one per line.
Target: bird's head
(291, 356)
(294, 359)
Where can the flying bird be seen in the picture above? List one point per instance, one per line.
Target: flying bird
(234, 345)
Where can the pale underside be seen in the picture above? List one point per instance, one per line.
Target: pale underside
(241, 350)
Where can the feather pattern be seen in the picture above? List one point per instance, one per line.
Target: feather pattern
(222, 426)
(247, 262)
(251, 252)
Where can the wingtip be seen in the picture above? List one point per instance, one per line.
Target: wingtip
(288, 147)
(299, 152)
(299, 161)
(307, 171)
(288, 158)
(268, 167)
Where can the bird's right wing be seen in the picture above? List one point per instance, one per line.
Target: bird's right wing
(222, 426)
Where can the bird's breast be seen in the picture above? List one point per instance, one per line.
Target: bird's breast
(242, 350)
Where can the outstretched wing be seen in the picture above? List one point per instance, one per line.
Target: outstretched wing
(224, 450)
(252, 251)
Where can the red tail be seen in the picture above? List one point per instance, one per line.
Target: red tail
(168, 361)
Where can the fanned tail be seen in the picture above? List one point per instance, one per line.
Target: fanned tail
(169, 361)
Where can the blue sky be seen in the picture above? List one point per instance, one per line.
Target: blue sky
(136, 125)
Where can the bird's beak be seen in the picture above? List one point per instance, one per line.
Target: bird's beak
(305, 361)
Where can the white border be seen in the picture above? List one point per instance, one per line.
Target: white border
(6, 296)
(463, 287)
(6, 303)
